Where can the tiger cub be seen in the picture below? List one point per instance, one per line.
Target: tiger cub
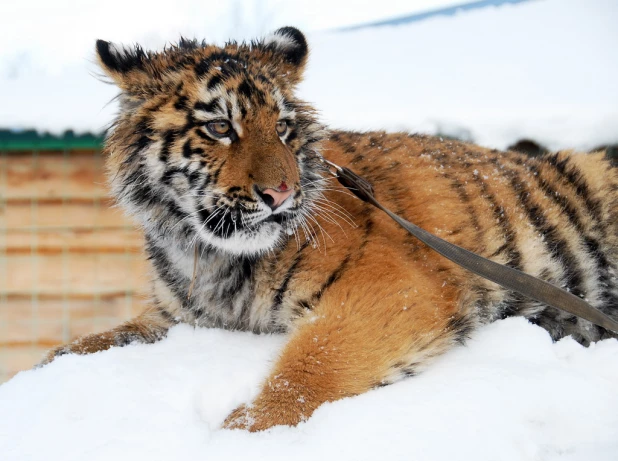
(221, 165)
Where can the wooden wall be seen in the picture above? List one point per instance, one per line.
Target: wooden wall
(69, 263)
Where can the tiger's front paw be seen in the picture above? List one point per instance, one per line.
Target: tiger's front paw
(268, 410)
(51, 355)
(88, 344)
(255, 418)
(241, 418)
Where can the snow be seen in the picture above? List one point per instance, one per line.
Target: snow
(510, 394)
(543, 70)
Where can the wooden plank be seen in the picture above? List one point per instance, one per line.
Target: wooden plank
(24, 216)
(94, 294)
(20, 358)
(71, 264)
(54, 176)
(47, 242)
(58, 310)
(73, 274)
(24, 341)
(52, 322)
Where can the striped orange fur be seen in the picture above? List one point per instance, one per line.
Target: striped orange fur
(204, 141)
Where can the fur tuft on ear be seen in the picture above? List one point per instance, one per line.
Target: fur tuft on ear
(290, 44)
(132, 69)
(115, 59)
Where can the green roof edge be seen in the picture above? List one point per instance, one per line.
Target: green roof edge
(31, 140)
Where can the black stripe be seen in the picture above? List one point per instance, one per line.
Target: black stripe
(461, 191)
(165, 270)
(211, 106)
(278, 299)
(169, 174)
(461, 326)
(501, 216)
(205, 64)
(214, 81)
(292, 135)
(460, 188)
(509, 247)
(215, 175)
(166, 315)
(246, 89)
(333, 277)
(592, 245)
(199, 151)
(181, 103)
(557, 246)
(193, 177)
(168, 139)
(572, 214)
(228, 106)
(187, 152)
(190, 122)
(233, 282)
(571, 173)
(143, 141)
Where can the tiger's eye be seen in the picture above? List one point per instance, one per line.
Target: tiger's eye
(219, 128)
(282, 127)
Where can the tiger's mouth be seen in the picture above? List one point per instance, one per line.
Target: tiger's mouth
(249, 223)
(276, 218)
(241, 232)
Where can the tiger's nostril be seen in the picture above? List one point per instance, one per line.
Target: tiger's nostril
(267, 199)
(274, 198)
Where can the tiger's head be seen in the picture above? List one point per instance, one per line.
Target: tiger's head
(212, 140)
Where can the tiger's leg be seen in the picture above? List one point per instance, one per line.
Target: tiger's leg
(377, 330)
(149, 327)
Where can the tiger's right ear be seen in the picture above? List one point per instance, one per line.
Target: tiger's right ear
(130, 68)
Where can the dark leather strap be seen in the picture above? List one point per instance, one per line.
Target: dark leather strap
(509, 278)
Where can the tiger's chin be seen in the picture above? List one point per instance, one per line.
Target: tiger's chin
(244, 242)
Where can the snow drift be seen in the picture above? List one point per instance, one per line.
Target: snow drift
(510, 394)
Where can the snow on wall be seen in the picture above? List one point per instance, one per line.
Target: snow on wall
(511, 394)
(545, 70)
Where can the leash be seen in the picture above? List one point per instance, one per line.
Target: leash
(507, 277)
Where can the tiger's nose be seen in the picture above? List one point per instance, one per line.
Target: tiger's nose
(274, 197)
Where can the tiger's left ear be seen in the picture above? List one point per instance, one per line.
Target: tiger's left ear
(136, 72)
(290, 46)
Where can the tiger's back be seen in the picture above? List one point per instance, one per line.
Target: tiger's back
(554, 217)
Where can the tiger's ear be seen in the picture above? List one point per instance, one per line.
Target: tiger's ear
(290, 46)
(130, 68)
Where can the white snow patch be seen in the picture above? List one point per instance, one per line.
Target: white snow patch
(544, 70)
(509, 395)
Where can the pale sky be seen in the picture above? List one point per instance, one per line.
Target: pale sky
(49, 33)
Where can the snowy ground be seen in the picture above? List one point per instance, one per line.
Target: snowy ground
(543, 69)
(509, 395)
